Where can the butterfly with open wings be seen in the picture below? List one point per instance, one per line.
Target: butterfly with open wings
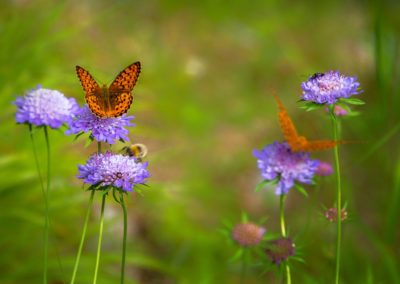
(112, 101)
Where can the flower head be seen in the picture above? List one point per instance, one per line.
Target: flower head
(248, 234)
(324, 169)
(101, 129)
(113, 169)
(42, 107)
(331, 214)
(278, 161)
(327, 88)
(280, 250)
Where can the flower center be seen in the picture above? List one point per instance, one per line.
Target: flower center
(328, 86)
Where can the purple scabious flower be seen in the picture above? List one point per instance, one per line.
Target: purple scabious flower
(324, 169)
(327, 88)
(280, 250)
(43, 107)
(248, 234)
(278, 161)
(113, 169)
(101, 129)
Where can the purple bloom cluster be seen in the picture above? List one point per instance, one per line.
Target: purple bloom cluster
(324, 169)
(113, 169)
(248, 234)
(42, 107)
(327, 88)
(102, 129)
(280, 250)
(278, 161)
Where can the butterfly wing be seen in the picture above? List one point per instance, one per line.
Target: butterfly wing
(120, 97)
(319, 145)
(288, 129)
(94, 96)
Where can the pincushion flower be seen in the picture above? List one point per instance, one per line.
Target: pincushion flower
(101, 129)
(45, 107)
(277, 161)
(327, 88)
(324, 169)
(120, 171)
(280, 250)
(248, 234)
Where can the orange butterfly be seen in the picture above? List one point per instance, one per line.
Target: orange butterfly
(115, 100)
(300, 143)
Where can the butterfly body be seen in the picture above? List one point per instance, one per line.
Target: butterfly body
(112, 101)
(299, 143)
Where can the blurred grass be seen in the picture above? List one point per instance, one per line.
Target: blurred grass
(201, 105)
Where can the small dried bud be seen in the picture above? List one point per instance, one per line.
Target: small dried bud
(280, 250)
(248, 234)
(331, 214)
(324, 169)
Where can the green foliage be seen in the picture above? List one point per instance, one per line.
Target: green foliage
(201, 106)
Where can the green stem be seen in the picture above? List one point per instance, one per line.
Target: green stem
(121, 198)
(98, 147)
(46, 201)
(78, 256)
(47, 221)
(338, 196)
(46, 217)
(283, 232)
(103, 202)
(244, 266)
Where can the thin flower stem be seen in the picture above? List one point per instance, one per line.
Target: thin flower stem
(78, 256)
(47, 205)
(103, 202)
(283, 232)
(46, 217)
(335, 126)
(244, 266)
(98, 147)
(121, 198)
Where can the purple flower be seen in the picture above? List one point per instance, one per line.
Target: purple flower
(248, 234)
(42, 107)
(280, 250)
(113, 169)
(278, 161)
(324, 169)
(102, 129)
(327, 88)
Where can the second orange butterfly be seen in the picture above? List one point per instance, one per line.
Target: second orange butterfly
(296, 142)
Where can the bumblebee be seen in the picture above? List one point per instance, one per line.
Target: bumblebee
(137, 150)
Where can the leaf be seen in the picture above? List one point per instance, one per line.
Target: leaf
(309, 106)
(264, 183)
(237, 255)
(301, 190)
(353, 101)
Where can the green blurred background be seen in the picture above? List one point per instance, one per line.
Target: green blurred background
(202, 104)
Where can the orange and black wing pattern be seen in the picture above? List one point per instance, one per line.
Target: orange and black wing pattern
(93, 93)
(300, 143)
(120, 89)
(113, 101)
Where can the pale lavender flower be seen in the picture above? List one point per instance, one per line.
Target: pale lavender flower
(101, 129)
(113, 169)
(248, 234)
(327, 88)
(45, 107)
(324, 169)
(277, 161)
